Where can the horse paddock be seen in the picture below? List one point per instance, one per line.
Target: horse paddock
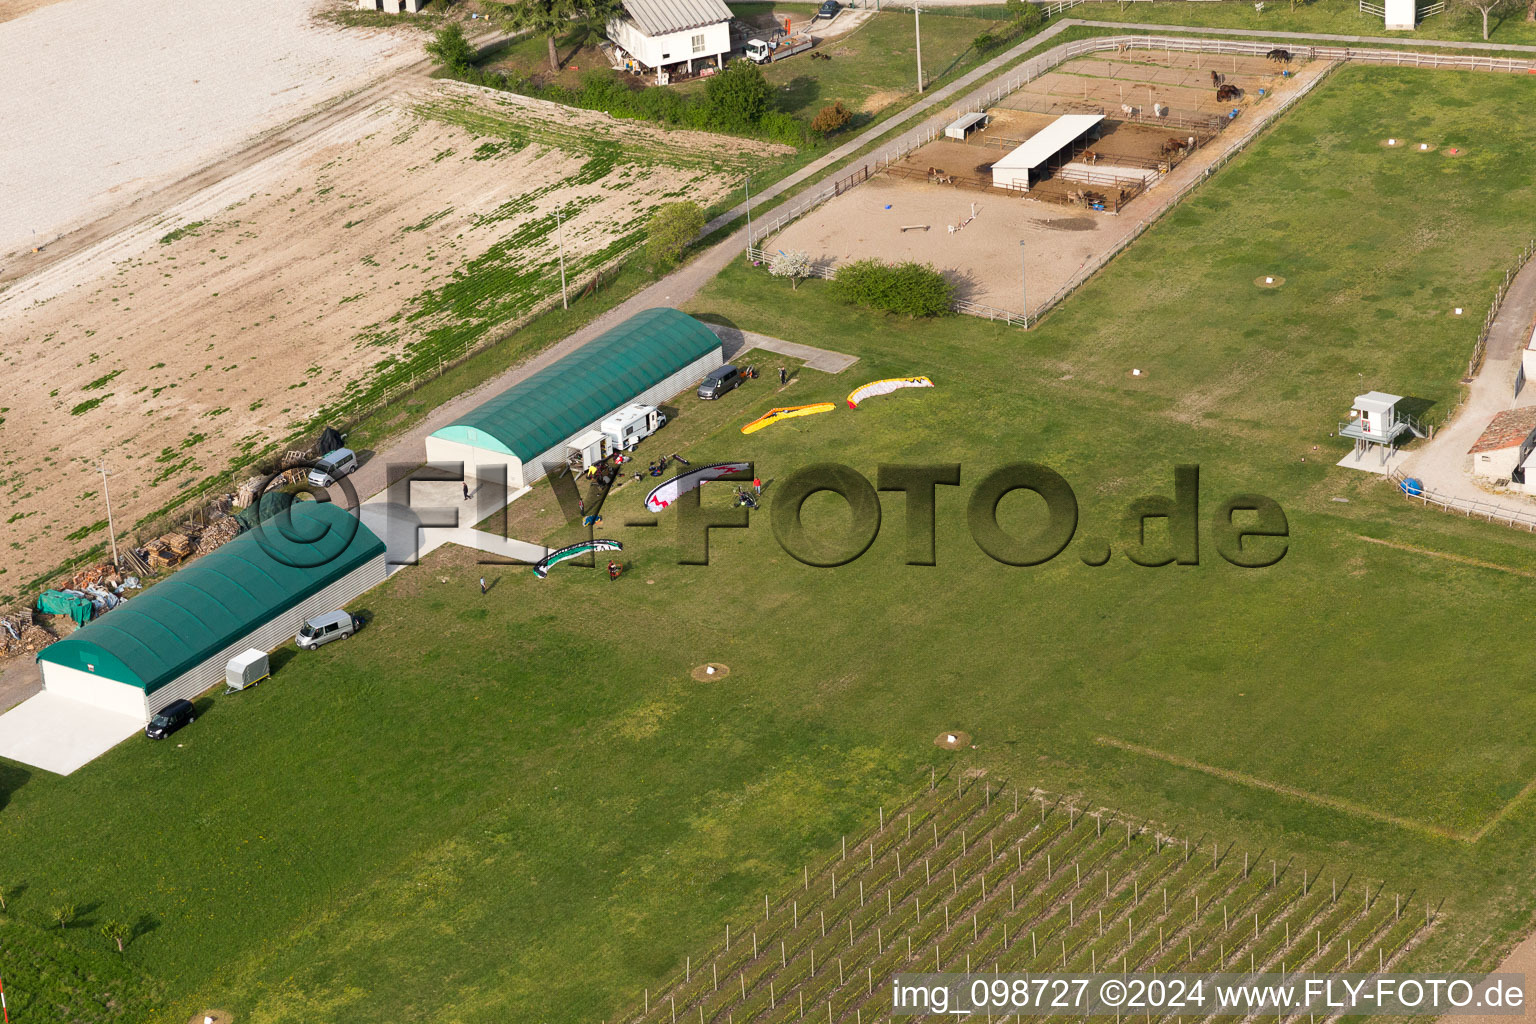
(937, 204)
(1184, 83)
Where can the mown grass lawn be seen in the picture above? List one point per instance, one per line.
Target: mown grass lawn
(521, 807)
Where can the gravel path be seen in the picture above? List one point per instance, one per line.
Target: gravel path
(1441, 462)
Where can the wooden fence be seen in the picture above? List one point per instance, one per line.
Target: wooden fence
(1471, 508)
(1480, 347)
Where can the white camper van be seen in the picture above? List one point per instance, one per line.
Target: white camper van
(631, 425)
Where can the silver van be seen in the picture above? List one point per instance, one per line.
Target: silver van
(720, 380)
(322, 629)
(332, 467)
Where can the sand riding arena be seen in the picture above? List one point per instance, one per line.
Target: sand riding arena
(1162, 125)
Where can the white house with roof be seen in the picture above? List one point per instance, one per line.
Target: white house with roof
(673, 36)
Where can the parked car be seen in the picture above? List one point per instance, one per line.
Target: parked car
(333, 467)
(322, 629)
(719, 381)
(829, 9)
(170, 718)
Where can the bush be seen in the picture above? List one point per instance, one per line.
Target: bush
(987, 42)
(909, 289)
(831, 119)
(781, 127)
(1026, 16)
(451, 50)
(672, 229)
(738, 97)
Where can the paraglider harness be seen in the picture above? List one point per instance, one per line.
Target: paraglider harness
(746, 499)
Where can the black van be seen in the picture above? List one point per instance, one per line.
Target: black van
(720, 380)
(171, 717)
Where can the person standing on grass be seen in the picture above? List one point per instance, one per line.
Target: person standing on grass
(783, 377)
(482, 586)
(613, 571)
(757, 485)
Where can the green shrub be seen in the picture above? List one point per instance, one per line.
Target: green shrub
(672, 229)
(909, 289)
(451, 50)
(739, 96)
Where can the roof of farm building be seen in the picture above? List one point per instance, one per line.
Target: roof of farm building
(1049, 141)
(658, 17)
(219, 598)
(533, 416)
(1508, 429)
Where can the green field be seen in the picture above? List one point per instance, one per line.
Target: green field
(522, 807)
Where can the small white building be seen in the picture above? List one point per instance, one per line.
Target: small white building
(392, 6)
(1501, 452)
(1401, 14)
(673, 36)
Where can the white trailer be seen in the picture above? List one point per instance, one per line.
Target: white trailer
(632, 424)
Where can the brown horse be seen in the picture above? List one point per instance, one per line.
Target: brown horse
(1228, 92)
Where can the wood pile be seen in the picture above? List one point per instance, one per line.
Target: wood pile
(169, 550)
(219, 533)
(31, 639)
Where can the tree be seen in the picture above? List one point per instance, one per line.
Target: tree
(549, 18)
(63, 914)
(793, 265)
(831, 119)
(450, 49)
(671, 230)
(1485, 8)
(117, 932)
(738, 96)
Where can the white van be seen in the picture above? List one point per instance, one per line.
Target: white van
(632, 424)
(322, 629)
(333, 467)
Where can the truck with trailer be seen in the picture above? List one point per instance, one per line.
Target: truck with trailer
(761, 51)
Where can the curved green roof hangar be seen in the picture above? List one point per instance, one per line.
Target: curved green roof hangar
(174, 640)
(648, 358)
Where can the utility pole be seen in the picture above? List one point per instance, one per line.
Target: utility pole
(111, 531)
(1024, 280)
(917, 23)
(565, 301)
(747, 187)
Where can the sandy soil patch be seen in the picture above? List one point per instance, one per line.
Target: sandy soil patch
(164, 86)
(393, 238)
(13, 9)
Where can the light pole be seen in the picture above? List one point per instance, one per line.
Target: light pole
(565, 302)
(917, 23)
(1024, 281)
(111, 531)
(747, 187)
